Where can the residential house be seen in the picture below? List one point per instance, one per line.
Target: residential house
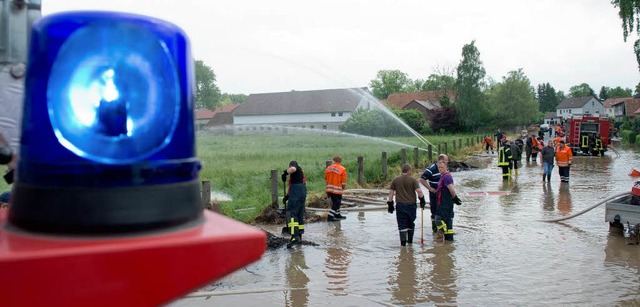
(203, 115)
(609, 103)
(223, 115)
(584, 106)
(424, 102)
(551, 119)
(626, 108)
(316, 109)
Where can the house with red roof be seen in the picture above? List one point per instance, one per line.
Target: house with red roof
(424, 102)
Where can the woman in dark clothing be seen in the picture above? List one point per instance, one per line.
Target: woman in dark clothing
(296, 197)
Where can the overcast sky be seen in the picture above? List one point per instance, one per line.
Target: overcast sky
(266, 46)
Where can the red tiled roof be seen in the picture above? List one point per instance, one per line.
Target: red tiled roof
(229, 108)
(400, 100)
(204, 113)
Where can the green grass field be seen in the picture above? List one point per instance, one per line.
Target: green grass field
(240, 165)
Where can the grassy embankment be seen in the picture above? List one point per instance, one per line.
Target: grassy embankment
(239, 166)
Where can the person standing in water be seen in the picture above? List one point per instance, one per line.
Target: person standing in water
(405, 188)
(296, 197)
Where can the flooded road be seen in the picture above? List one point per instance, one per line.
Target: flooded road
(502, 255)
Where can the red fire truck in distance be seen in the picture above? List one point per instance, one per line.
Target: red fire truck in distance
(581, 132)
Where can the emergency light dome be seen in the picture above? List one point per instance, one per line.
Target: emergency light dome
(108, 129)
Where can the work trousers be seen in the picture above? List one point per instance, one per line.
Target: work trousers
(295, 209)
(564, 173)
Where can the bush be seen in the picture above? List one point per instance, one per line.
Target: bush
(638, 141)
(628, 136)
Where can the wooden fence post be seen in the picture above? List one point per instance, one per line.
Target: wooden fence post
(416, 159)
(454, 145)
(274, 188)
(404, 156)
(384, 166)
(430, 148)
(361, 170)
(206, 193)
(460, 143)
(445, 148)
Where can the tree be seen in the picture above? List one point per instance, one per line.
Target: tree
(514, 100)
(547, 98)
(413, 118)
(470, 103)
(619, 92)
(582, 90)
(630, 14)
(444, 119)
(604, 93)
(389, 82)
(373, 122)
(227, 98)
(207, 92)
(439, 82)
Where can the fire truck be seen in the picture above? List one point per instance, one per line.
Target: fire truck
(581, 132)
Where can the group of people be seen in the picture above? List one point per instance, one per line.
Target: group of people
(404, 192)
(296, 195)
(442, 195)
(509, 155)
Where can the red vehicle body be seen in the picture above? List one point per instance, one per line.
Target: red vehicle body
(578, 127)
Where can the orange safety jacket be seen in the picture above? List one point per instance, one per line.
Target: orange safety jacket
(336, 178)
(564, 156)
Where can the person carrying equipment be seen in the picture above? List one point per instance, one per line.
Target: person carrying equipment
(296, 198)
(405, 188)
(335, 177)
(504, 156)
(429, 179)
(446, 198)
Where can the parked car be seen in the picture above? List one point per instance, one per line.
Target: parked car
(544, 127)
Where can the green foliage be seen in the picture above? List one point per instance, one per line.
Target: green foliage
(619, 92)
(582, 90)
(635, 125)
(547, 98)
(444, 119)
(625, 126)
(470, 103)
(207, 92)
(389, 82)
(439, 82)
(374, 123)
(413, 118)
(604, 93)
(637, 141)
(628, 136)
(513, 100)
(227, 98)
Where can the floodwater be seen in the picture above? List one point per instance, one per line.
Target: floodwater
(502, 254)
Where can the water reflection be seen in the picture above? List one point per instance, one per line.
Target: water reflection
(548, 198)
(297, 280)
(338, 259)
(564, 199)
(441, 286)
(403, 283)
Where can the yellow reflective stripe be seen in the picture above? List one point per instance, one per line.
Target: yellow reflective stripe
(301, 227)
(448, 232)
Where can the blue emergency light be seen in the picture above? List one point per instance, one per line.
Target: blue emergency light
(108, 130)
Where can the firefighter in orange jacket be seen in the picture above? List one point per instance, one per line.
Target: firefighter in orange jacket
(335, 177)
(564, 157)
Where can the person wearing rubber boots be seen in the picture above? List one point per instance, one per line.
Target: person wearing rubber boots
(429, 179)
(447, 196)
(335, 177)
(504, 157)
(405, 187)
(296, 198)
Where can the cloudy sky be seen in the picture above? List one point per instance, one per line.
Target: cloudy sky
(258, 46)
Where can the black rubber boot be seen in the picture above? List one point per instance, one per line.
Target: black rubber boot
(549, 178)
(448, 237)
(433, 226)
(403, 238)
(544, 177)
(410, 236)
(294, 240)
